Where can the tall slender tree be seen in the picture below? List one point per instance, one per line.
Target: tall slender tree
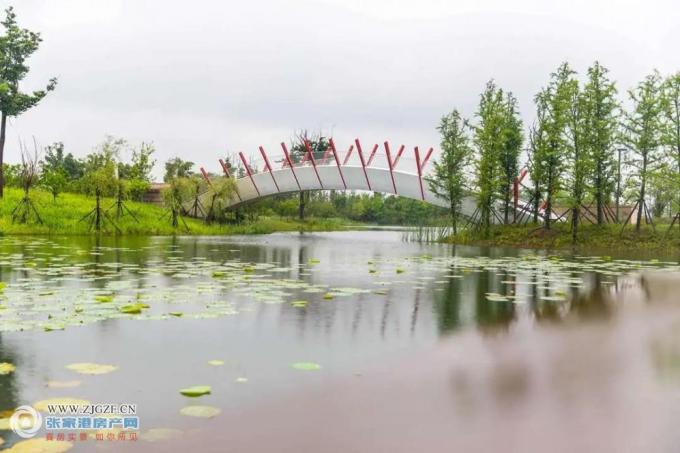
(448, 180)
(578, 157)
(536, 142)
(489, 141)
(509, 152)
(552, 105)
(16, 46)
(671, 128)
(601, 119)
(643, 132)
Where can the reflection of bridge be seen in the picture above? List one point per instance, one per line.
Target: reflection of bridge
(385, 172)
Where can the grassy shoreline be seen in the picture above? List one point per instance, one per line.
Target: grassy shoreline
(590, 238)
(62, 218)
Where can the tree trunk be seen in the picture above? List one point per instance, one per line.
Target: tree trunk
(454, 219)
(536, 201)
(506, 220)
(548, 204)
(641, 200)
(599, 195)
(302, 205)
(3, 127)
(574, 223)
(97, 219)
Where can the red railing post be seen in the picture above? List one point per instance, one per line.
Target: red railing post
(427, 157)
(347, 156)
(389, 163)
(420, 173)
(311, 158)
(225, 169)
(249, 171)
(290, 163)
(331, 144)
(370, 159)
(269, 167)
(399, 153)
(205, 176)
(363, 164)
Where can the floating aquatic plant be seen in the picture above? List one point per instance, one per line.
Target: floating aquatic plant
(306, 366)
(195, 391)
(200, 411)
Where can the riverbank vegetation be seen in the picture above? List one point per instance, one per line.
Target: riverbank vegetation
(595, 163)
(67, 215)
(592, 238)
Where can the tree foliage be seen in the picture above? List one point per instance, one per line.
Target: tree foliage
(643, 135)
(16, 46)
(448, 180)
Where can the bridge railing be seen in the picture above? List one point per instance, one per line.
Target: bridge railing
(401, 158)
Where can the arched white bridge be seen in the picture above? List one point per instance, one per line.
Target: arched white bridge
(385, 172)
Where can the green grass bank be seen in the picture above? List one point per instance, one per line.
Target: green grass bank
(63, 217)
(609, 237)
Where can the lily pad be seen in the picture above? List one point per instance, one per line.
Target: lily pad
(200, 411)
(306, 366)
(132, 309)
(103, 299)
(63, 384)
(197, 390)
(7, 368)
(39, 445)
(91, 368)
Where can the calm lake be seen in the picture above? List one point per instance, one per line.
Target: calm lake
(273, 321)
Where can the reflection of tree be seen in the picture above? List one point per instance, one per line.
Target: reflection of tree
(447, 305)
(543, 311)
(8, 385)
(595, 304)
(491, 313)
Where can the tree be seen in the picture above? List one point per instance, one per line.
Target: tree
(448, 179)
(671, 129)
(601, 120)
(137, 174)
(318, 144)
(55, 159)
(141, 165)
(100, 180)
(177, 168)
(28, 177)
(578, 157)
(535, 191)
(643, 131)
(552, 105)
(221, 193)
(173, 198)
(54, 180)
(16, 46)
(489, 141)
(510, 150)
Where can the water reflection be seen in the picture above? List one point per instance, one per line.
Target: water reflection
(369, 298)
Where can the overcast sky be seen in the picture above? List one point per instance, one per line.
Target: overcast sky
(207, 77)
